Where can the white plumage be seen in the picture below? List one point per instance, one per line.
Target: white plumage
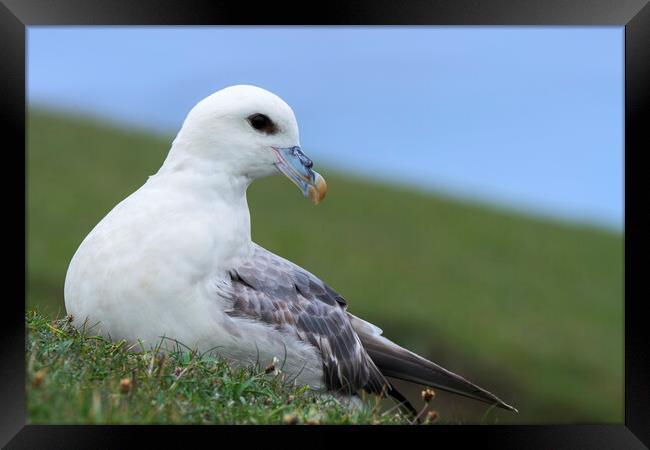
(175, 259)
(154, 265)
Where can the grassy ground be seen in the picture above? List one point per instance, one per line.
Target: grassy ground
(529, 309)
(74, 377)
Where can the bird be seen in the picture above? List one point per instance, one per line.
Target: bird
(175, 260)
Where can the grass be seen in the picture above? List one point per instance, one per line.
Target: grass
(74, 377)
(526, 307)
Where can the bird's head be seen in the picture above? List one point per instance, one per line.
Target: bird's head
(249, 131)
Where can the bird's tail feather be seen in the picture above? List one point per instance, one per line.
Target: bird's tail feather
(398, 362)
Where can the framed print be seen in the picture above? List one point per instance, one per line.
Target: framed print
(476, 260)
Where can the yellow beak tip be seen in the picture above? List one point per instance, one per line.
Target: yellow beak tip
(318, 190)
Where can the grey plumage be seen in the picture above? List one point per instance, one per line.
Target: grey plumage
(276, 291)
(355, 356)
(398, 362)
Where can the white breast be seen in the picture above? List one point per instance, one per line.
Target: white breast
(154, 266)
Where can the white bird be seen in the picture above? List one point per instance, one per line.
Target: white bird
(175, 259)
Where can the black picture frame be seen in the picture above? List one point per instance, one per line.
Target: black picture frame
(634, 15)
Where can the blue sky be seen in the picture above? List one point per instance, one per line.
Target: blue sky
(529, 118)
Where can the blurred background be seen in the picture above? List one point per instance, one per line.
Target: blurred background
(475, 210)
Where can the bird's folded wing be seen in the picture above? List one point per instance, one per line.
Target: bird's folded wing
(398, 362)
(275, 291)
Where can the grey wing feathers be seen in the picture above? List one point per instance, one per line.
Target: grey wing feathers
(275, 291)
(395, 361)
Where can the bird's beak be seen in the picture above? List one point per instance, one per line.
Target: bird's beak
(292, 162)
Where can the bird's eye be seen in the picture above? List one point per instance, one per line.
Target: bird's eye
(262, 123)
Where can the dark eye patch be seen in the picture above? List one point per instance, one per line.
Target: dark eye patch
(261, 122)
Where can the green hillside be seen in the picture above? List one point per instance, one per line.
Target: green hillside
(531, 310)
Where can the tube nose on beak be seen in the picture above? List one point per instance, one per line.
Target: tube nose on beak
(304, 159)
(298, 168)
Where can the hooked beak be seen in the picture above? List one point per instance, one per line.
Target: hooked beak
(292, 162)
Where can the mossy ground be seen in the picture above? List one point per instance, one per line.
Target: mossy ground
(74, 377)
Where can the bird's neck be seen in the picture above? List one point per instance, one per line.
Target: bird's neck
(210, 187)
(206, 176)
(210, 181)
